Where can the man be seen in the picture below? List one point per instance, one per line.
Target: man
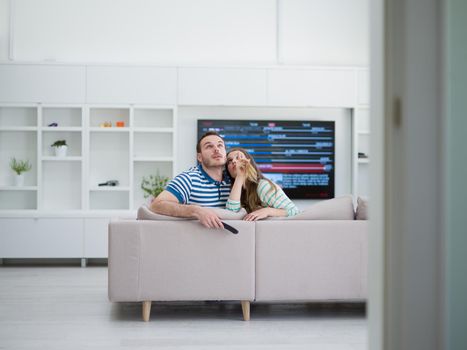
(191, 193)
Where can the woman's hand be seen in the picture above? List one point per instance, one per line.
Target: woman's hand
(257, 214)
(242, 165)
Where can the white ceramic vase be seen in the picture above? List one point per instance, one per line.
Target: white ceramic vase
(60, 151)
(19, 180)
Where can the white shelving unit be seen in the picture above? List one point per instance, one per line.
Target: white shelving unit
(64, 187)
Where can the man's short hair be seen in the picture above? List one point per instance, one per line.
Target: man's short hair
(209, 133)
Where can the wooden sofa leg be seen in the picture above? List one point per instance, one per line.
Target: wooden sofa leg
(246, 310)
(146, 310)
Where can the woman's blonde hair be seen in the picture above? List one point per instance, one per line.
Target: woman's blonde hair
(249, 197)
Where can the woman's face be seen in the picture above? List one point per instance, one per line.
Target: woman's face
(232, 162)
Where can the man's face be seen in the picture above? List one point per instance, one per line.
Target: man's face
(212, 152)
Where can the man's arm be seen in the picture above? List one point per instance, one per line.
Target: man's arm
(167, 204)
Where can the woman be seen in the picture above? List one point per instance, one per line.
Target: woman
(259, 196)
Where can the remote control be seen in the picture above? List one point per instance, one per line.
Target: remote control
(230, 228)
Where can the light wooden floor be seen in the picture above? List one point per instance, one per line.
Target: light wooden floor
(67, 308)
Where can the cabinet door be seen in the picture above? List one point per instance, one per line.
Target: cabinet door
(222, 86)
(312, 87)
(44, 83)
(96, 237)
(41, 238)
(152, 85)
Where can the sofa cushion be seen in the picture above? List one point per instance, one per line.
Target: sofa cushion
(144, 213)
(362, 209)
(339, 208)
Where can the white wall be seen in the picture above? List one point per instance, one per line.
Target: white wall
(205, 32)
(187, 134)
(325, 32)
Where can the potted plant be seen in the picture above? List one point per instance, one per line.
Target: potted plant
(153, 185)
(60, 148)
(19, 167)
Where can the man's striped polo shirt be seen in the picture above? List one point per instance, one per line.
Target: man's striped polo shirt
(195, 186)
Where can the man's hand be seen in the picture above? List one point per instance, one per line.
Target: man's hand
(207, 217)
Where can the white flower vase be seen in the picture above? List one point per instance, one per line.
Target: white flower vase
(19, 180)
(60, 151)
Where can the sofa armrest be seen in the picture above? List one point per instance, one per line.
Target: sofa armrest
(180, 260)
(124, 260)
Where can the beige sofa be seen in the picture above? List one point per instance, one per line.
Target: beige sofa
(168, 259)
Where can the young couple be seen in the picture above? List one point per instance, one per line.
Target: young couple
(222, 180)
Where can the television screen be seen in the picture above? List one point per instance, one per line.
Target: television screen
(297, 155)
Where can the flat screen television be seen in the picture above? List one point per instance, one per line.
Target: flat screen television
(297, 155)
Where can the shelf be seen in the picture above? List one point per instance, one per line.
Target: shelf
(155, 130)
(18, 117)
(61, 159)
(99, 115)
(72, 138)
(153, 159)
(61, 185)
(19, 200)
(109, 200)
(66, 117)
(18, 188)
(152, 146)
(154, 118)
(35, 213)
(62, 128)
(18, 128)
(22, 146)
(144, 168)
(109, 189)
(110, 129)
(109, 158)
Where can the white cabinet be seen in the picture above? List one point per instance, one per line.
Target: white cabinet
(96, 237)
(41, 238)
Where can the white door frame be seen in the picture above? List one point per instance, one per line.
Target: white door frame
(406, 282)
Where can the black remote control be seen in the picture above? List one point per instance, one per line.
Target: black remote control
(230, 228)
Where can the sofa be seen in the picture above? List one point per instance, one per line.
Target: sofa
(319, 255)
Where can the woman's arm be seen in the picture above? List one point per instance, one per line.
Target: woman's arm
(264, 213)
(275, 198)
(233, 203)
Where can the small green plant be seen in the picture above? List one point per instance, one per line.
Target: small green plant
(153, 185)
(59, 143)
(20, 166)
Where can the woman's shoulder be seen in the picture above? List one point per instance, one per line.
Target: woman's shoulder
(263, 183)
(264, 186)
